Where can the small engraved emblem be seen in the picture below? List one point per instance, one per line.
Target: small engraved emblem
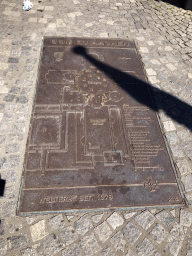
(94, 84)
(173, 199)
(150, 184)
(58, 56)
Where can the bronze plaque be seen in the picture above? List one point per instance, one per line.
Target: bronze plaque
(95, 141)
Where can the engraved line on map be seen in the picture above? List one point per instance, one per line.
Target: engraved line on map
(118, 185)
(104, 208)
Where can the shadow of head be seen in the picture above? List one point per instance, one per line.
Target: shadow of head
(80, 50)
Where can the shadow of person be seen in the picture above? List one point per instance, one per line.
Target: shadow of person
(140, 91)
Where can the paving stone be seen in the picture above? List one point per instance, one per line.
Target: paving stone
(9, 176)
(169, 126)
(130, 253)
(60, 23)
(158, 233)
(165, 218)
(9, 98)
(168, 48)
(189, 198)
(115, 220)
(72, 251)
(29, 252)
(118, 241)
(22, 99)
(157, 254)
(68, 235)
(187, 181)
(151, 72)
(177, 151)
(38, 231)
(15, 242)
(7, 118)
(173, 212)
(189, 247)
(69, 217)
(3, 163)
(183, 166)
(144, 49)
(9, 192)
(96, 218)
(155, 62)
(49, 8)
(103, 231)
(2, 224)
(30, 220)
(185, 218)
(187, 149)
(145, 219)
(128, 215)
(171, 67)
(14, 161)
(13, 60)
(175, 240)
(3, 247)
(184, 135)
(107, 251)
(145, 248)
(89, 245)
(83, 225)
(52, 245)
(172, 138)
(104, 35)
(15, 227)
(8, 209)
(131, 232)
(12, 148)
(57, 222)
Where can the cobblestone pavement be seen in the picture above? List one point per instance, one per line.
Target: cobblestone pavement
(163, 35)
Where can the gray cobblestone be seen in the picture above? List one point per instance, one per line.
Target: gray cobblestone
(17, 241)
(145, 248)
(131, 232)
(83, 225)
(29, 252)
(2, 231)
(115, 220)
(72, 251)
(89, 245)
(118, 241)
(107, 251)
(187, 181)
(103, 231)
(96, 218)
(3, 246)
(69, 235)
(145, 219)
(158, 233)
(57, 222)
(52, 245)
(165, 218)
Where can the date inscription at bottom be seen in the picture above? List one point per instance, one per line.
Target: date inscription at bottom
(74, 198)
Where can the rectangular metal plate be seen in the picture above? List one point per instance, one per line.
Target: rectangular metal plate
(95, 141)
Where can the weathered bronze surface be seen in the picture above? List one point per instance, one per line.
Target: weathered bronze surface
(95, 140)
